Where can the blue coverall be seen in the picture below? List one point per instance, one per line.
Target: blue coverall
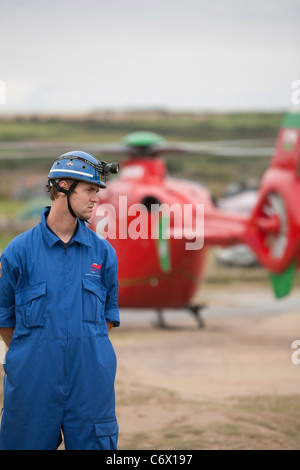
(60, 367)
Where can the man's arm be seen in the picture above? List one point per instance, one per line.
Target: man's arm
(7, 334)
(9, 272)
(111, 307)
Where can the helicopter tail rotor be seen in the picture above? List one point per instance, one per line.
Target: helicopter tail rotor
(273, 230)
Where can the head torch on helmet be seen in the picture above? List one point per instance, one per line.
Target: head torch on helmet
(82, 166)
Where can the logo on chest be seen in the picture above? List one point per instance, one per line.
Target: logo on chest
(95, 268)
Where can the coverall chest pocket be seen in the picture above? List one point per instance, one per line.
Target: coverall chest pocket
(93, 301)
(31, 303)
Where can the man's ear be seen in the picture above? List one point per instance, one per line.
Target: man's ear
(65, 185)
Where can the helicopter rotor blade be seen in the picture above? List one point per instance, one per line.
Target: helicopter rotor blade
(42, 149)
(233, 148)
(36, 150)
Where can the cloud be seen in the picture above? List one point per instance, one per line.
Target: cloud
(193, 54)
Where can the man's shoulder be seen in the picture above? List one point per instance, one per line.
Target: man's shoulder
(21, 240)
(98, 240)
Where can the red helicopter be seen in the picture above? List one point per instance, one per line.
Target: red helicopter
(161, 227)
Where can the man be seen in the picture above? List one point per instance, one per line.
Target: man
(58, 301)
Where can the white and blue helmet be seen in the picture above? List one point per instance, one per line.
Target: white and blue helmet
(79, 166)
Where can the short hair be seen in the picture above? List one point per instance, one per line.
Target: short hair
(53, 192)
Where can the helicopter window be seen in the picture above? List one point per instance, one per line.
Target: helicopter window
(147, 201)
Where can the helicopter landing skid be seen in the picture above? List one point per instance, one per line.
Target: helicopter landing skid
(195, 310)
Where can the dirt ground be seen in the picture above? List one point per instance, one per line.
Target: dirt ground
(231, 385)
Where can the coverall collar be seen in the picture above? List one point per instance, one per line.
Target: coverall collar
(50, 237)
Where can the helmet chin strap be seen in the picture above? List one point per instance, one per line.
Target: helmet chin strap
(70, 208)
(68, 192)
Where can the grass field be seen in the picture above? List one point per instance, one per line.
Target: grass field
(209, 170)
(113, 126)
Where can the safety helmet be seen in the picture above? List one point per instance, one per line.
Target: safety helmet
(79, 166)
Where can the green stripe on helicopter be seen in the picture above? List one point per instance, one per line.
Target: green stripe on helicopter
(163, 244)
(282, 283)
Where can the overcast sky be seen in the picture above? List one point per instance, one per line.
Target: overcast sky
(75, 55)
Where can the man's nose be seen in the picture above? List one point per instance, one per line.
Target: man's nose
(95, 198)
